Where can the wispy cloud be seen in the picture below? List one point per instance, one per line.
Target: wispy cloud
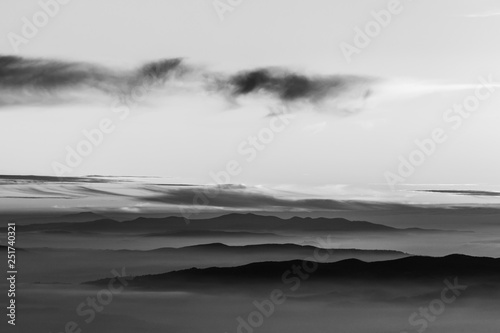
(466, 192)
(33, 179)
(403, 88)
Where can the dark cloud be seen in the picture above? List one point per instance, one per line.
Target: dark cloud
(28, 81)
(241, 197)
(19, 197)
(466, 192)
(162, 69)
(23, 179)
(289, 86)
(96, 192)
(17, 72)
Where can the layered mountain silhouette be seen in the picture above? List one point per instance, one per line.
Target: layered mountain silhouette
(209, 233)
(230, 222)
(95, 263)
(412, 270)
(269, 248)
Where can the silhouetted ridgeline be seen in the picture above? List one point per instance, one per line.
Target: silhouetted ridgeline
(412, 270)
(230, 222)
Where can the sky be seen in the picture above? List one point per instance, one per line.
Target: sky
(410, 76)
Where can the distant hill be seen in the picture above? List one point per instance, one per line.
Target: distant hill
(214, 251)
(49, 218)
(411, 270)
(94, 263)
(209, 233)
(307, 249)
(81, 217)
(100, 225)
(230, 222)
(5, 248)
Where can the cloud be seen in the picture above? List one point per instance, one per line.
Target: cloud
(160, 70)
(27, 197)
(27, 81)
(466, 192)
(251, 198)
(43, 81)
(30, 179)
(407, 88)
(150, 195)
(290, 87)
